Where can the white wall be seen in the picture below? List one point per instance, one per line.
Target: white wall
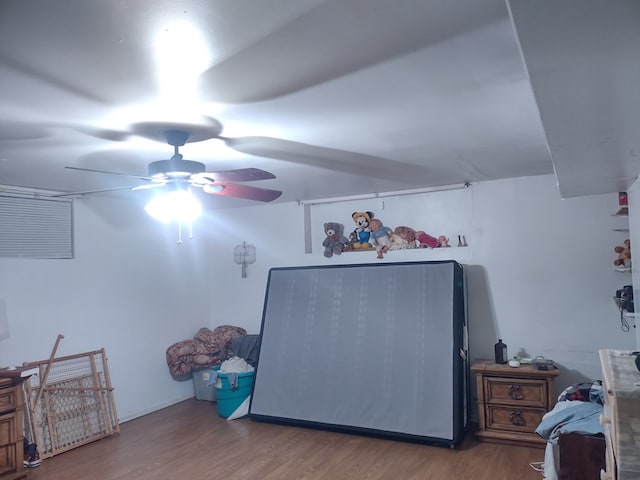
(540, 269)
(130, 289)
(634, 226)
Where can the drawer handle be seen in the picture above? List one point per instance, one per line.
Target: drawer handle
(516, 419)
(515, 393)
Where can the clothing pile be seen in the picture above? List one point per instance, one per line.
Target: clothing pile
(207, 349)
(578, 411)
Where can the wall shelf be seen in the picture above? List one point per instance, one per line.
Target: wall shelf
(459, 254)
(417, 249)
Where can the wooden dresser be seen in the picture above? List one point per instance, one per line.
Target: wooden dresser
(621, 416)
(11, 428)
(512, 401)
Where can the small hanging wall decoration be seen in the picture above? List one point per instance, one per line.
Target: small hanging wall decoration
(243, 255)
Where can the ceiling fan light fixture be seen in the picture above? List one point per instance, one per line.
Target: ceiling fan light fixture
(175, 168)
(177, 205)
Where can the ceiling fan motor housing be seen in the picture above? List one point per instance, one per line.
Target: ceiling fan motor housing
(175, 168)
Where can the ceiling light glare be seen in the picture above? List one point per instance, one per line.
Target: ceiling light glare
(177, 206)
(181, 55)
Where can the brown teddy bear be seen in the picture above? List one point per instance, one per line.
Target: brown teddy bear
(443, 241)
(624, 255)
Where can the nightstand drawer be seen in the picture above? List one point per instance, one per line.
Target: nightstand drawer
(513, 419)
(516, 391)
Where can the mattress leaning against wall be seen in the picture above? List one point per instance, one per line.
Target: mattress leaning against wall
(377, 349)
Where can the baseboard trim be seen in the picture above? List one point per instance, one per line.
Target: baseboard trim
(157, 406)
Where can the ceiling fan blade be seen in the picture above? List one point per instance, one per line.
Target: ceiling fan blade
(11, 130)
(88, 192)
(279, 63)
(242, 191)
(329, 158)
(110, 173)
(104, 133)
(238, 175)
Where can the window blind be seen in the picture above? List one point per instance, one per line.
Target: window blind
(35, 227)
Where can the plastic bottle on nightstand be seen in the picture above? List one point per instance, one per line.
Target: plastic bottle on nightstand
(501, 352)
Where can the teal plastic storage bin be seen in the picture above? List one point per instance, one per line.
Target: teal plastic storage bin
(230, 398)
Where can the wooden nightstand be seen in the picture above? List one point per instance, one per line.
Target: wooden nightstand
(11, 425)
(512, 401)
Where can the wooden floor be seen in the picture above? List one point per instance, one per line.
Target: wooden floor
(189, 441)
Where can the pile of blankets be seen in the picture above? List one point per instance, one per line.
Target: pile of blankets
(578, 411)
(207, 349)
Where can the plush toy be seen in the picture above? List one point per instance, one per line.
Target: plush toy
(381, 237)
(443, 241)
(403, 237)
(353, 238)
(335, 240)
(425, 240)
(362, 231)
(624, 255)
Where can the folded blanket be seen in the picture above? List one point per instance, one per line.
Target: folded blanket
(207, 349)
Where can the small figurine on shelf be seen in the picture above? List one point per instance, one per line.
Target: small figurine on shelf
(403, 237)
(424, 240)
(443, 241)
(381, 237)
(623, 203)
(624, 255)
(335, 240)
(362, 231)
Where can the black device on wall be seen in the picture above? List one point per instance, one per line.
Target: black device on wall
(624, 298)
(377, 349)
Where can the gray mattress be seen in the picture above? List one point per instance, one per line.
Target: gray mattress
(377, 349)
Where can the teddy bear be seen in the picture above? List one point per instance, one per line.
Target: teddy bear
(424, 240)
(624, 255)
(335, 240)
(403, 237)
(443, 241)
(381, 236)
(362, 231)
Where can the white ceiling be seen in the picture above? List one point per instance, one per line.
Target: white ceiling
(346, 96)
(583, 61)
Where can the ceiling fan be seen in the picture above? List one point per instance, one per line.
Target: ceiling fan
(180, 174)
(201, 128)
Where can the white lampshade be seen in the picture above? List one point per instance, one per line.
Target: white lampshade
(178, 205)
